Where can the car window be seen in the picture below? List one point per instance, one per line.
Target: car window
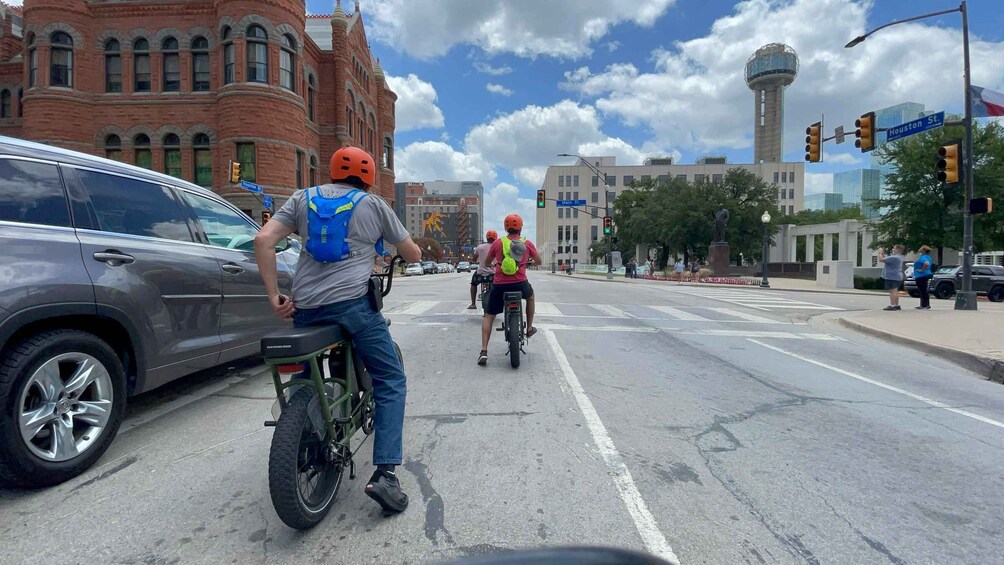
(224, 226)
(982, 271)
(135, 207)
(32, 193)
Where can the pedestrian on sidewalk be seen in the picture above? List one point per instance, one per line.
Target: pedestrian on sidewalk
(922, 274)
(678, 268)
(648, 268)
(892, 274)
(695, 271)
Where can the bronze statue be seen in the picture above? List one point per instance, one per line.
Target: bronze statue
(721, 219)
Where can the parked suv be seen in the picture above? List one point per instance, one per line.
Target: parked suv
(115, 280)
(987, 280)
(430, 267)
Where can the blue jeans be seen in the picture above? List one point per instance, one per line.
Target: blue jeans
(371, 338)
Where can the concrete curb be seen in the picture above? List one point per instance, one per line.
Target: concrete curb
(621, 279)
(992, 369)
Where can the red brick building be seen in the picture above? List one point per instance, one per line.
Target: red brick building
(183, 87)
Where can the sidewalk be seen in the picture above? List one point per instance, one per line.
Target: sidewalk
(797, 285)
(970, 339)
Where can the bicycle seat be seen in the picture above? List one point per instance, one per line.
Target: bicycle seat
(297, 342)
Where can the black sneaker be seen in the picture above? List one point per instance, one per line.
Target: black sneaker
(889, 308)
(897, 307)
(385, 488)
(483, 358)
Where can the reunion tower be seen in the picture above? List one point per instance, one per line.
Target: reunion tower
(772, 68)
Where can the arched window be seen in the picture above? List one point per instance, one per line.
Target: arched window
(113, 147)
(257, 54)
(299, 169)
(172, 65)
(310, 97)
(228, 56)
(361, 123)
(32, 60)
(313, 171)
(371, 137)
(113, 66)
(172, 155)
(203, 160)
(388, 153)
(200, 64)
(61, 64)
(287, 63)
(20, 102)
(5, 104)
(144, 157)
(141, 65)
(350, 112)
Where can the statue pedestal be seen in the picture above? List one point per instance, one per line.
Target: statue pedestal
(719, 257)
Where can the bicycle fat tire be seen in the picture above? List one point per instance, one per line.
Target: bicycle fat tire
(513, 321)
(293, 444)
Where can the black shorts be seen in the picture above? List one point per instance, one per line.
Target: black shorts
(496, 299)
(477, 279)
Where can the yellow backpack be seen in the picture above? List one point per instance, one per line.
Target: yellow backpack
(513, 252)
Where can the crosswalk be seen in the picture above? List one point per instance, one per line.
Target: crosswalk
(755, 299)
(571, 311)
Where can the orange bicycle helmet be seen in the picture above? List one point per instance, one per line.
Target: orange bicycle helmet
(492, 235)
(513, 222)
(353, 162)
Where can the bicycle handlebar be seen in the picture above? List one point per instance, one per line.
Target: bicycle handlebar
(389, 274)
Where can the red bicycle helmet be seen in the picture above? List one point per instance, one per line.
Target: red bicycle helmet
(513, 222)
(492, 235)
(353, 162)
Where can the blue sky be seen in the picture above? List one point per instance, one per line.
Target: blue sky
(493, 90)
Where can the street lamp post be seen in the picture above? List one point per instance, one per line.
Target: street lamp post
(554, 255)
(966, 298)
(606, 208)
(765, 219)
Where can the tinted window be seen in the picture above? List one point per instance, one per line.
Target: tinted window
(32, 193)
(135, 207)
(225, 227)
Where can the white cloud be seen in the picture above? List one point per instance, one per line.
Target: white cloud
(625, 153)
(816, 183)
(527, 28)
(612, 45)
(498, 89)
(435, 160)
(842, 158)
(504, 199)
(487, 69)
(416, 103)
(694, 94)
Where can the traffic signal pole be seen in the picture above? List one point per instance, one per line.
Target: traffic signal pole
(966, 300)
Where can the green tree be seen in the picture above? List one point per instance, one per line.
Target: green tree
(747, 197)
(431, 249)
(923, 210)
(810, 217)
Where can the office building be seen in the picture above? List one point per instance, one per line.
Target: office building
(449, 212)
(860, 187)
(824, 201)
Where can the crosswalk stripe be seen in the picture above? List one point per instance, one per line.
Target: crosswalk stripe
(416, 308)
(745, 316)
(611, 310)
(546, 309)
(680, 314)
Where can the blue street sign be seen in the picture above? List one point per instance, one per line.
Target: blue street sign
(571, 202)
(268, 201)
(246, 185)
(915, 126)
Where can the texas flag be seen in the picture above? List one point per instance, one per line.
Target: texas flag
(986, 102)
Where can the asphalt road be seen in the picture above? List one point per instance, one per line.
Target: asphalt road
(704, 424)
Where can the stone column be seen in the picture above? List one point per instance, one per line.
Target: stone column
(827, 247)
(810, 249)
(791, 249)
(852, 246)
(867, 241)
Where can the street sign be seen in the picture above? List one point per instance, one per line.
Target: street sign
(250, 186)
(839, 134)
(268, 201)
(570, 202)
(915, 126)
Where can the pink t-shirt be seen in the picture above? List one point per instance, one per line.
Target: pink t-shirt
(496, 253)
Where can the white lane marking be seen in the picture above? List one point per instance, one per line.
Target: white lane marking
(745, 316)
(651, 330)
(679, 314)
(655, 542)
(612, 311)
(417, 308)
(793, 306)
(546, 309)
(907, 393)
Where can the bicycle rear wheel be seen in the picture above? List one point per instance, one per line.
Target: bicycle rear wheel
(513, 321)
(304, 466)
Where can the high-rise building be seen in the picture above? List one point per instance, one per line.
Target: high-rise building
(824, 201)
(568, 232)
(860, 187)
(768, 72)
(450, 212)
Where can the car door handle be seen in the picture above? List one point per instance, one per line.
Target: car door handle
(233, 268)
(113, 257)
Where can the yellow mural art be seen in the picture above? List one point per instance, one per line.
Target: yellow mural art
(433, 224)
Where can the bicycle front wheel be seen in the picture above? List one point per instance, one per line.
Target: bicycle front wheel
(304, 466)
(513, 322)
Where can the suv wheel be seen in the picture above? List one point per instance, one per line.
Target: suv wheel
(996, 294)
(63, 397)
(944, 291)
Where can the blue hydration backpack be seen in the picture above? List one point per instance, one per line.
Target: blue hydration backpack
(328, 225)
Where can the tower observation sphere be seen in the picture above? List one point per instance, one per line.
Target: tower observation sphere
(771, 68)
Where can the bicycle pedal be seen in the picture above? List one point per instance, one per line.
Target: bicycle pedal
(269, 423)
(499, 329)
(352, 470)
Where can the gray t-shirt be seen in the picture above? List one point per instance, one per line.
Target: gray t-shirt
(318, 284)
(893, 270)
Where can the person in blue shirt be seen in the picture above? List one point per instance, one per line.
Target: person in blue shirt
(922, 274)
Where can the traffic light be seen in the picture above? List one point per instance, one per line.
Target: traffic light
(865, 133)
(265, 217)
(235, 172)
(948, 163)
(814, 142)
(608, 225)
(540, 199)
(981, 206)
